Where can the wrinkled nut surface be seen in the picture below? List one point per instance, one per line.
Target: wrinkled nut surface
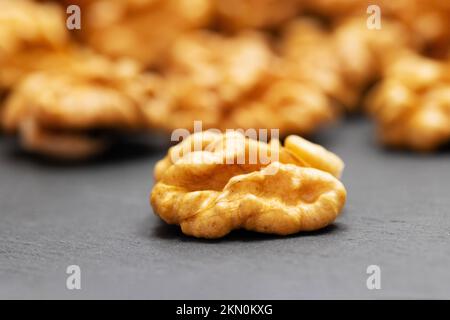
(209, 193)
(411, 107)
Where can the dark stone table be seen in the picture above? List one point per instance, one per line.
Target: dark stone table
(97, 216)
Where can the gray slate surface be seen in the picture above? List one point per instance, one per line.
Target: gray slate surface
(97, 216)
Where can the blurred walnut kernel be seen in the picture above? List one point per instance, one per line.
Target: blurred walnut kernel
(208, 195)
(292, 65)
(240, 14)
(342, 62)
(140, 29)
(57, 111)
(235, 82)
(411, 106)
(428, 22)
(28, 32)
(206, 73)
(308, 55)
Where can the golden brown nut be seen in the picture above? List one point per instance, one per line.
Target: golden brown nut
(208, 192)
(290, 105)
(181, 103)
(411, 106)
(140, 29)
(53, 111)
(58, 145)
(309, 55)
(362, 53)
(26, 23)
(28, 31)
(231, 145)
(428, 21)
(205, 73)
(235, 82)
(239, 14)
(343, 61)
(231, 66)
(314, 155)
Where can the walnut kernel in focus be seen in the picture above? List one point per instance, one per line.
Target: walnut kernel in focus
(209, 197)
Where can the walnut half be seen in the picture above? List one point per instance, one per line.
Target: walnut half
(209, 193)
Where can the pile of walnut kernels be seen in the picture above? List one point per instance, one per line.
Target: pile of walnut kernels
(158, 65)
(295, 65)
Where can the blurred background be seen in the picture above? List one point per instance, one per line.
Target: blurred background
(72, 77)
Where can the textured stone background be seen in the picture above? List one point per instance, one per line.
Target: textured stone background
(97, 216)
